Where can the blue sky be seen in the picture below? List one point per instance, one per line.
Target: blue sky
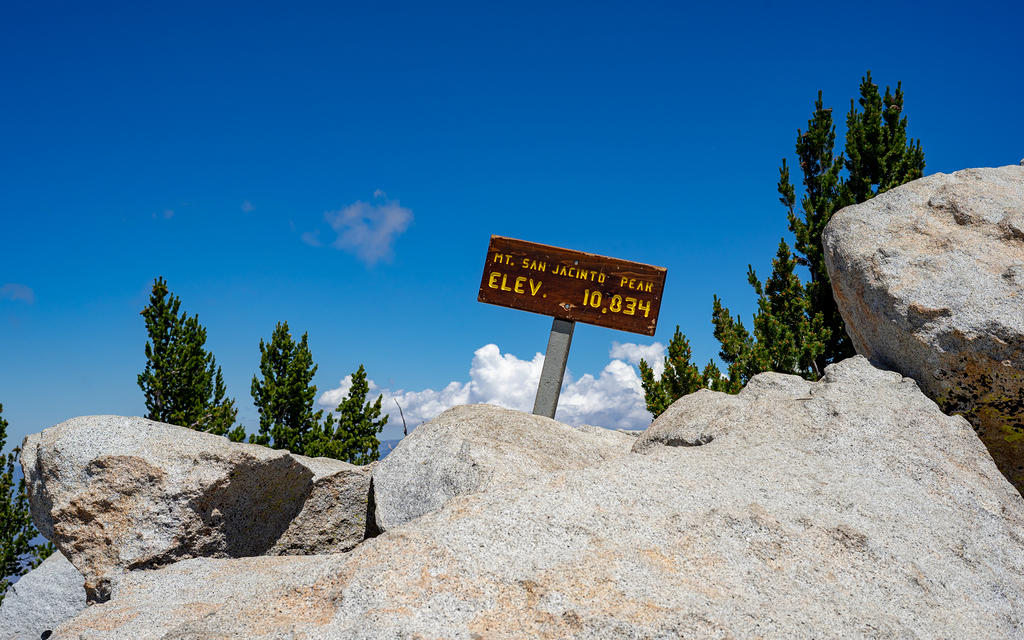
(215, 143)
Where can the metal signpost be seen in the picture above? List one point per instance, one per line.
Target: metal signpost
(572, 286)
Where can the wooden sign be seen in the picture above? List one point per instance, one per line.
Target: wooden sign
(572, 285)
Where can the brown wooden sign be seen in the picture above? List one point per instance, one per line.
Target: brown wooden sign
(572, 285)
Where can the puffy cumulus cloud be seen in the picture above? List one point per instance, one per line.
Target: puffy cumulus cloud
(614, 398)
(15, 291)
(653, 354)
(368, 229)
(504, 380)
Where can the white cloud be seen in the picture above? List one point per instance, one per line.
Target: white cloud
(632, 353)
(614, 398)
(367, 229)
(247, 206)
(14, 291)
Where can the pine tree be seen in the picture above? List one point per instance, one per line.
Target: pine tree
(17, 553)
(182, 382)
(798, 328)
(877, 158)
(787, 336)
(353, 436)
(284, 396)
(680, 377)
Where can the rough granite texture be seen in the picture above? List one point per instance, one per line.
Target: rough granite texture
(848, 508)
(42, 599)
(116, 493)
(470, 447)
(334, 514)
(929, 278)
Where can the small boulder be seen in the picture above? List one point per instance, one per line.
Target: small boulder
(116, 493)
(336, 514)
(42, 599)
(929, 278)
(470, 447)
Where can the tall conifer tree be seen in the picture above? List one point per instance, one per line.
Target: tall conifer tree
(878, 157)
(797, 328)
(17, 553)
(182, 383)
(802, 332)
(284, 396)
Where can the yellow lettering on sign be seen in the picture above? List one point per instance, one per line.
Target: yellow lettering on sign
(636, 284)
(497, 257)
(518, 288)
(498, 280)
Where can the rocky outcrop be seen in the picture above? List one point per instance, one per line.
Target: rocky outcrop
(42, 599)
(116, 493)
(929, 278)
(851, 507)
(470, 447)
(336, 513)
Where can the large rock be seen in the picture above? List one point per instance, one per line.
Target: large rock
(118, 493)
(929, 278)
(851, 507)
(471, 447)
(42, 599)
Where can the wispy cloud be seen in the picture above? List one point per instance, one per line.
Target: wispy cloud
(368, 229)
(14, 291)
(312, 238)
(166, 214)
(247, 206)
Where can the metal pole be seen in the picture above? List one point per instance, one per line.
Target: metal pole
(554, 368)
